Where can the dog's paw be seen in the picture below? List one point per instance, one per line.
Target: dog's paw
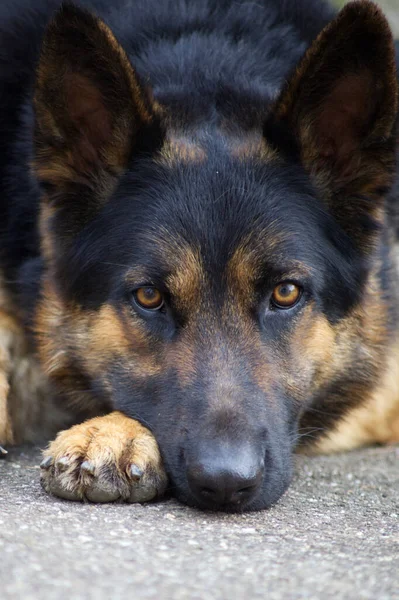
(103, 460)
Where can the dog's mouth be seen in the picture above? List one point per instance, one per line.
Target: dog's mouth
(229, 507)
(261, 500)
(243, 485)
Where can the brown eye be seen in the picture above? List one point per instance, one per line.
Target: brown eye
(286, 294)
(149, 298)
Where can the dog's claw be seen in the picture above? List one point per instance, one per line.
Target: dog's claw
(97, 461)
(46, 462)
(87, 467)
(3, 452)
(135, 472)
(62, 464)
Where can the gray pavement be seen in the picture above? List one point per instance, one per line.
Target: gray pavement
(335, 534)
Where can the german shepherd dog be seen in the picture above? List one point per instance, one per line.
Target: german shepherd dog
(197, 241)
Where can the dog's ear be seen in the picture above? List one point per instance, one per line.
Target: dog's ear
(92, 112)
(338, 112)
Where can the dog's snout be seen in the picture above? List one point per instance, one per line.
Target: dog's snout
(218, 480)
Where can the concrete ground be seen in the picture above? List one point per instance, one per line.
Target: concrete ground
(335, 534)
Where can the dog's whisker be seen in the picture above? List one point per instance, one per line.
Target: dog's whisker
(307, 434)
(321, 412)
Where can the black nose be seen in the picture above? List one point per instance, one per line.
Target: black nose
(232, 480)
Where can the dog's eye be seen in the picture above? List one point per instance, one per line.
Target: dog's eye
(286, 295)
(149, 298)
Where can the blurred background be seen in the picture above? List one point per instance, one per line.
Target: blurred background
(390, 7)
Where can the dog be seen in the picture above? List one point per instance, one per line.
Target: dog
(199, 273)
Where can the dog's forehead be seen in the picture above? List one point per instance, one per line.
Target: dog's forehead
(209, 197)
(192, 269)
(213, 220)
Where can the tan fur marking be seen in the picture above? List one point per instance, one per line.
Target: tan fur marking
(46, 213)
(314, 340)
(253, 147)
(243, 269)
(58, 170)
(12, 352)
(319, 339)
(107, 333)
(375, 421)
(187, 278)
(27, 410)
(376, 416)
(181, 150)
(181, 357)
(110, 337)
(49, 327)
(6, 429)
(246, 264)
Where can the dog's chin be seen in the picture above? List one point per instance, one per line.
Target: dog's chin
(267, 497)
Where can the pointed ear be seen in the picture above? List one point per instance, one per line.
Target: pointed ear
(339, 111)
(91, 110)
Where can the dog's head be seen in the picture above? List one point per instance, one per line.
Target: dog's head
(208, 280)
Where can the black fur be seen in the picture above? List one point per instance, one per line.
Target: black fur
(177, 47)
